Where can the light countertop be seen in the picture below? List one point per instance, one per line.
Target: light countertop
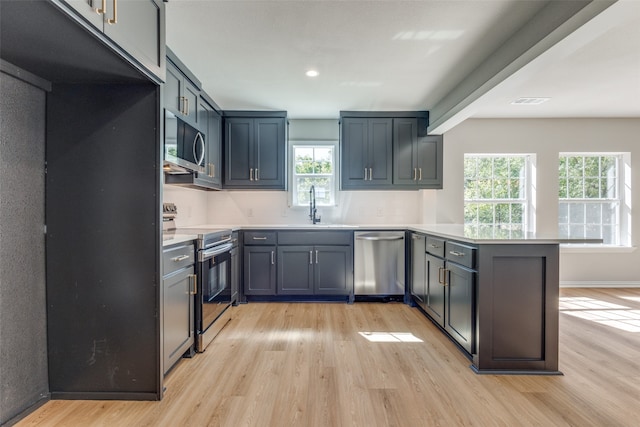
(489, 235)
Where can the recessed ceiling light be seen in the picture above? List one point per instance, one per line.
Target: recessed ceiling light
(529, 101)
(312, 73)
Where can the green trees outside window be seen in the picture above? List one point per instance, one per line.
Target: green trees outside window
(495, 195)
(589, 197)
(314, 165)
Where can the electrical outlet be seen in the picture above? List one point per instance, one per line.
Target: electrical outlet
(250, 213)
(285, 213)
(380, 212)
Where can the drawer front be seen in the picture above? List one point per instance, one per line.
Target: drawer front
(177, 257)
(435, 246)
(338, 238)
(461, 254)
(259, 237)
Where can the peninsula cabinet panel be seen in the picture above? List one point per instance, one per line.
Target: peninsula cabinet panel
(517, 321)
(459, 309)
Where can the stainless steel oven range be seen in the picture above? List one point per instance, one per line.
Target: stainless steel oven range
(213, 294)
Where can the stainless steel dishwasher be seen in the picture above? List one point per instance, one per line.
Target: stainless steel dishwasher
(379, 264)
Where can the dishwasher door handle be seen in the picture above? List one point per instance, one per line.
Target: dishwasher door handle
(378, 238)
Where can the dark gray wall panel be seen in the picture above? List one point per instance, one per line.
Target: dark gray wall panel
(23, 334)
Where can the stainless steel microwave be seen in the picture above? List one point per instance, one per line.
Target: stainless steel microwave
(184, 146)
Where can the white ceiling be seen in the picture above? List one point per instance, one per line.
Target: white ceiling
(412, 55)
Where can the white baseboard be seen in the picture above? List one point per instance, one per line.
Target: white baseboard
(600, 284)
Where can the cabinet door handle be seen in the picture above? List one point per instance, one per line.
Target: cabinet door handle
(273, 258)
(194, 284)
(310, 257)
(257, 175)
(180, 258)
(434, 246)
(420, 178)
(103, 8)
(316, 256)
(415, 174)
(370, 174)
(365, 174)
(260, 238)
(213, 170)
(187, 102)
(114, 20)
(251, 174)
(456, 253)
(442, 276)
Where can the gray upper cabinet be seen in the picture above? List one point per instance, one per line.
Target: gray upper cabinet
(254, 152)
(137, 26)
(181, 95)
(366, 153)
(417, 157)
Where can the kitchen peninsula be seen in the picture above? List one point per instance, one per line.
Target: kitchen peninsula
(494, 294)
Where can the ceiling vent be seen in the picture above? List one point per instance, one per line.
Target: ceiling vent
(529, 101)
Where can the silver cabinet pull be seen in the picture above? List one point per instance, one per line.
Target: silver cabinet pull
(420, 170)
(251, 174)
(187, 103)
(213, 170)
(273, 258)
(442, 276)
(415, 174)
(365, 174)
(456, 253)
(180, 258)
(316, 256)
(310, 257)
(114, 20)
(259, 238)
(370, 174)
(257, 175)
(434, 246)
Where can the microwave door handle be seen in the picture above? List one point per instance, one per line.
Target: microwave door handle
(195, 155)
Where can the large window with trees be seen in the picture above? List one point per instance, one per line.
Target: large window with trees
(496, 202)
(314, 165)
(589, 196)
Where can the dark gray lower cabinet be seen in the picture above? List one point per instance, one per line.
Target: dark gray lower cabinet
(315, 270)
(259, 270)
(435, 290)
(309, 263)
(499, 302)
(178, 285)
(333, 270)
(460, 308)
(295, 270)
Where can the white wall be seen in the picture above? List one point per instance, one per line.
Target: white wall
(546, 138)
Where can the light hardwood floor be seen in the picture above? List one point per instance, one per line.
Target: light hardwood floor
(306, 364)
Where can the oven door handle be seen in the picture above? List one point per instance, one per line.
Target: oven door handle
(218, 250)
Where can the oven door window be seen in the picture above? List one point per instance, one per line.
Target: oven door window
(216, 288)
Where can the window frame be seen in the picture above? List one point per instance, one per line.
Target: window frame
(527, 201)
(317, 143)
(622, 232)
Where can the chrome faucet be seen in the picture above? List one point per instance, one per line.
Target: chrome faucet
(312, 206)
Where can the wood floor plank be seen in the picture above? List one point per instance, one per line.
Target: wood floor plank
(307, 364)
